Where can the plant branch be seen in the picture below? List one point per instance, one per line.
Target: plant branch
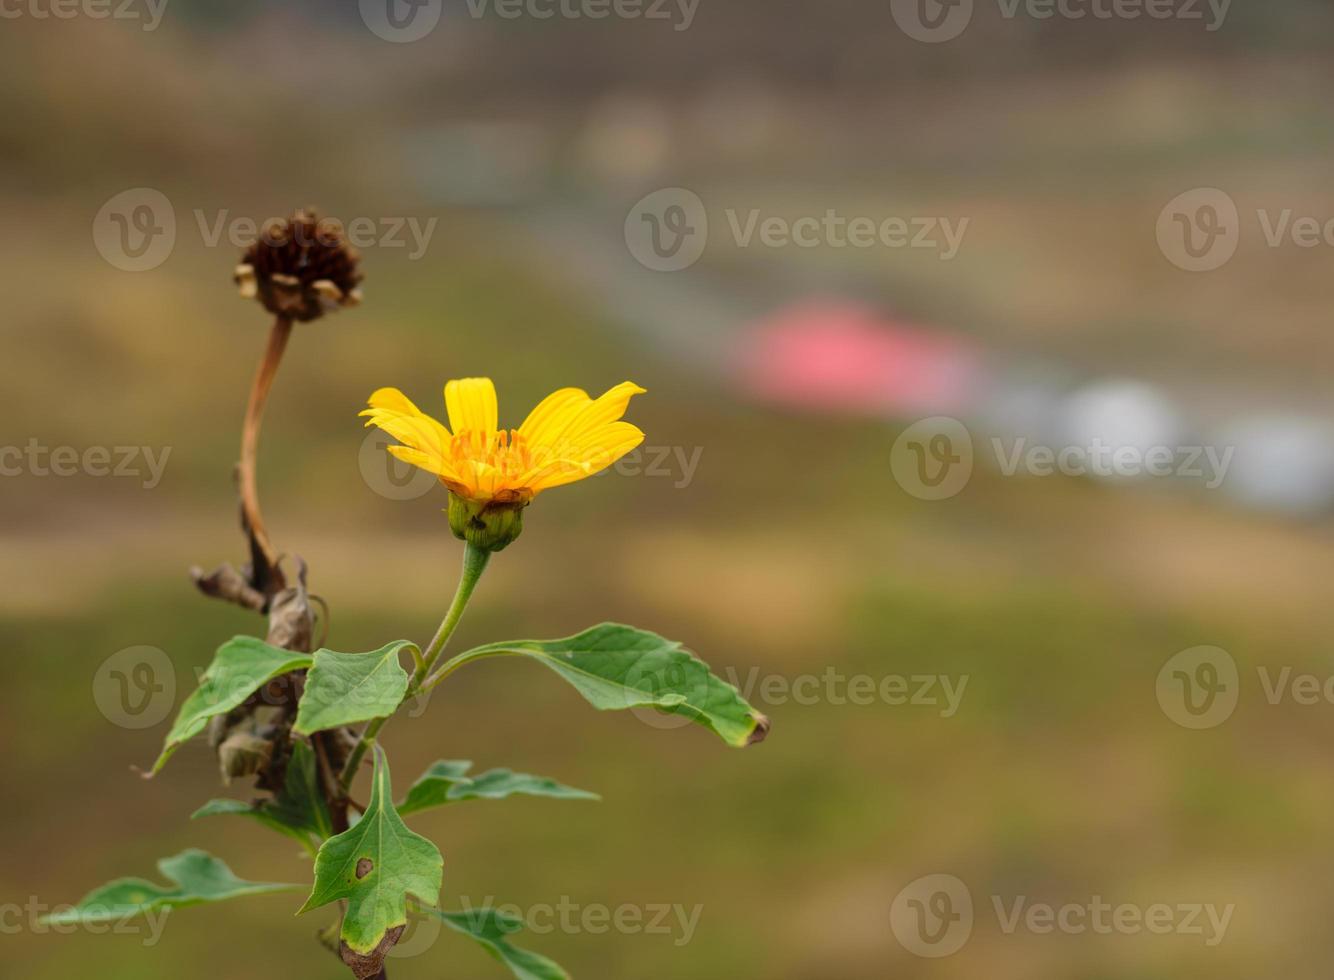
(474, 564)
(262, 587)
(461, 660)
(268, 578)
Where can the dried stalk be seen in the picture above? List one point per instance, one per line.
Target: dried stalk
(266, 576)
(262, 587)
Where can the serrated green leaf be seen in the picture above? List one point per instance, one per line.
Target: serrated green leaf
(241, 666)
(345, 688)
(492, 930)
(375, 866)
(198, 876)
(617, 667)
(447, 781)
(299, 811)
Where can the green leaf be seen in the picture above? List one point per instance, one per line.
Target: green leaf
(345, 688)
(492, 929)
(617, 667)
(299, 811)
(375, 866)
(198, 878)
(241, 666)
(448, 782)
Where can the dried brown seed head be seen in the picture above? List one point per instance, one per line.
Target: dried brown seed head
(301, 268)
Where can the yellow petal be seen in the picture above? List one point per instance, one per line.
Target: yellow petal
(472, 405)
(552, 414)
(429, 462)
(393, 399)
(602, 448)
(572, 415)
(395, 413)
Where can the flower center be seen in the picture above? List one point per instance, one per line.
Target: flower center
(507, 452)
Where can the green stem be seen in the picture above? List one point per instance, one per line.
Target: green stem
(474, 563)
(463, 658)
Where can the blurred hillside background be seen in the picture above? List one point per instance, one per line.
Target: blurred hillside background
(794, 547)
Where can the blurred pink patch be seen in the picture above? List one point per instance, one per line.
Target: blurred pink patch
(844, 357)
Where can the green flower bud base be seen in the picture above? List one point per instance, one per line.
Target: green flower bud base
(490, 526)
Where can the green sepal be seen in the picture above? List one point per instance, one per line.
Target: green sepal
(490, 525)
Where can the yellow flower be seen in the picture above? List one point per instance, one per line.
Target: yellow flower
(567, 437)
